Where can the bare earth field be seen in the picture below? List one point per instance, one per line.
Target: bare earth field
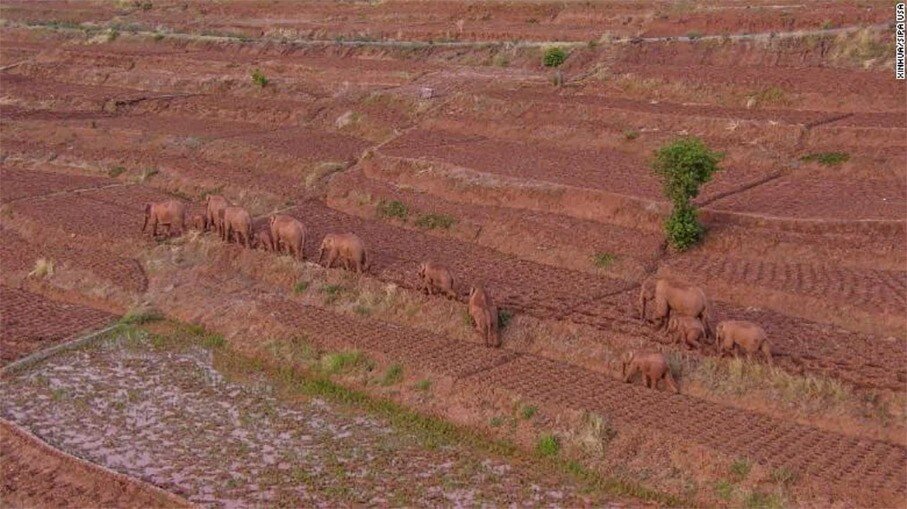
(433, 131)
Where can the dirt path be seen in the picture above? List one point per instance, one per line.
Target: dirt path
(168, 417)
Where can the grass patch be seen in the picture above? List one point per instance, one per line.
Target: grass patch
(391, 209)
(496, 421)
(826, 158)
(504, 318)
(548, 445)
(321, 171)
(334, 363)
(724, 490)
(141, 317)
(300, 287)
(147, 173)
(393, 375)
(631, 134)
(783, 476)
(332, 293)
(423, 385)
(116, 171)
(434, 221)
(528, 411)
(740, 468)
(259, 78)
(693, 35)
(773, 96)
(603, 260)
(760, 500)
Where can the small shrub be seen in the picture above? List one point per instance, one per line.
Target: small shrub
(158, 37)
(300, 287)
(827, 25)
(760, 500)
(147, 173)
(145, 6)
(527, 412)
(116, 171)
(504, 318)
(394, 208)
(360, 309)
(741, 468)
(548, 445)
(43, 268)
(603, 260)
(496, 422)
(112, 35)
(631, 134)
(423, 385)
(393, 375)
(213, 341)
(827, 158)
(693, 35)
(259, 78)
(435, 221)
(554, 56)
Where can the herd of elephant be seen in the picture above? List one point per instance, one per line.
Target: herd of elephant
(287, 234)
(680, 309)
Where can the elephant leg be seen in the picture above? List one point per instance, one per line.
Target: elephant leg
(332, 257)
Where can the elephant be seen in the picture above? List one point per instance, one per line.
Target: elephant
(686, 330)
(289, 232)
(748, 336)
(485, 315)
(653, 366)
(214, 204)
(671, 296)
(436, 278)
(348, 247)
(263, 240)
(236, 220)
(167, 213)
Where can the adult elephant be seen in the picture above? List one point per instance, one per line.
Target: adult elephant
(671, 296)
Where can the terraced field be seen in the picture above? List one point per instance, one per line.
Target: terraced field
(435, 133)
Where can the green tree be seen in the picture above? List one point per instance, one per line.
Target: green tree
(683, 166)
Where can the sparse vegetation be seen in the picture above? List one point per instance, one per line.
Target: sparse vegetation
(554, 56)
(300, 287)
(392, 209)
(141, 316)
(683, 166)
(631, 134)
(693, 35)
(423, 385)
(393, 375)
(504, 318)
(548, 445)
(332, 292)
(740, 468)
(259, 78)
(116, 171)
(827, 158)
(724, 490)
(147, 173)
(528, 411)
(434, 221)
(603, 260)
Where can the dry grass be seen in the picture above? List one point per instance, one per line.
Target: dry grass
(43, 268)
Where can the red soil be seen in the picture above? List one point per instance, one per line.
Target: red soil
(36, 475)
(31, 322)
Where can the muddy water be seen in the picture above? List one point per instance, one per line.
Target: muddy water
(170, 418)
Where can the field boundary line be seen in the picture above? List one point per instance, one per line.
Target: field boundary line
(410, 44)
(46, 353)
(22, 432)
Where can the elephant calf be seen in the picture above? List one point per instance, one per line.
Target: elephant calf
(236, 221)
(653, 366)
(436, 279)
(169, 213)
(288, 232)
(686, 330)
(670, 297)
(346, 247)
(747, 336)
(485, 315)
